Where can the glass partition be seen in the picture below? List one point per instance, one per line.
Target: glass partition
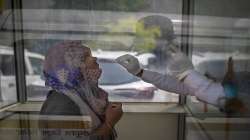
(8, 93)
(220, 31)
(18, 126)
(218, 35)
(110, 29)
(212, 128)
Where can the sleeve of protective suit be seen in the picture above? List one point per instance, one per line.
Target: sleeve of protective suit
(194, 84)
(204, 89)
(164, 82)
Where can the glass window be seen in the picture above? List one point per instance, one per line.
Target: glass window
(8, 93)
(110, 29)
(117, 76)
(220, 34)
(36, 64)
(221, 30)
(7, 65)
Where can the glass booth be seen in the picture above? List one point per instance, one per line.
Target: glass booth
(209, 32)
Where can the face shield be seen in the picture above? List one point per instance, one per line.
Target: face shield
(153, 32)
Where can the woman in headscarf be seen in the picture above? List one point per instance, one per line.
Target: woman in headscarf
(72, 73)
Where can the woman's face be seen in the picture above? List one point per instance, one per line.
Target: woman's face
(92, 68)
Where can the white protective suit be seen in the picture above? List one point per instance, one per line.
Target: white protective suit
(194, 84)
(182, 79)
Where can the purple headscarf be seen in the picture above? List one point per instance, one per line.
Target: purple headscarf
(63, 73)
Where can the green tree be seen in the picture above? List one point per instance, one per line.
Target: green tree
(120, 5)
(144, 40)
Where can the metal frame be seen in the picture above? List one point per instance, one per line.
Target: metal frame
(186, 47)
(187, 13)
(19, 51)
(19, 60)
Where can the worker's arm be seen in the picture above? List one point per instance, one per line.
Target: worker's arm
(181, 67)
(194, 84)
(183, 80)
(164, 82)
(205, 89)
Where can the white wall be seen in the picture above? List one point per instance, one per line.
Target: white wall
(147, 126)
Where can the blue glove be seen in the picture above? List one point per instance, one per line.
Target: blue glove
(230, 90)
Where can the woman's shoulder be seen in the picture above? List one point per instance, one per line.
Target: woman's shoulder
(59, 104)
(56, 96)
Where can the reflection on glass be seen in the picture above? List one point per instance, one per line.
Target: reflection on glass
(117, 76)
(216, 128)
(36, 65)
(104, 26)
(46, 127)
(218, 35)
(8, 80)
(119, 83)
(8, 94)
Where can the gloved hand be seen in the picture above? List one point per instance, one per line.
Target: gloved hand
(179, 65)
(232, 104)
(129, 62)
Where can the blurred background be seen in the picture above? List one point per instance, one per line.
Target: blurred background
(209, 32)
